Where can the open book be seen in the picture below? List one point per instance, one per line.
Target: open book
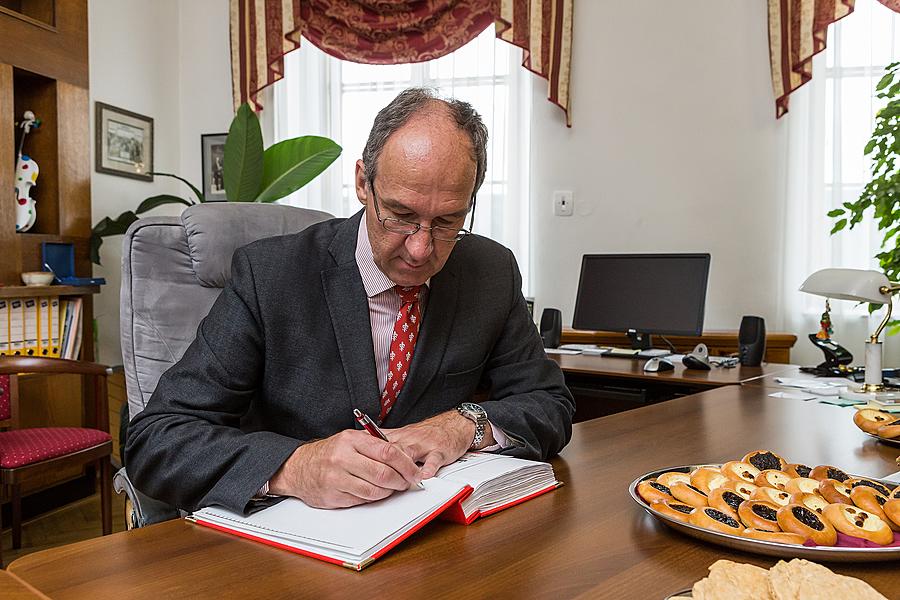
(478, 484)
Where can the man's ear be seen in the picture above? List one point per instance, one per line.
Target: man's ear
(362, 191)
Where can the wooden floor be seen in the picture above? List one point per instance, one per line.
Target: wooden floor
(72, 523)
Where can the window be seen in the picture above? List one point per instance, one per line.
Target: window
(829, 123)
(322, 95)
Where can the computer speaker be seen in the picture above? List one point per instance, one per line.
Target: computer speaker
(752, 341)
(551, 327)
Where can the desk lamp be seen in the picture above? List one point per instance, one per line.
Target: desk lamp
(862, 286)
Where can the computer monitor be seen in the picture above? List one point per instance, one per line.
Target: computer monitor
(642, 294)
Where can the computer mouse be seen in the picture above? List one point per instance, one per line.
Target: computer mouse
(655, 365)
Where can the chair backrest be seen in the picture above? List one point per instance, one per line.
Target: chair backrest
(173, 268)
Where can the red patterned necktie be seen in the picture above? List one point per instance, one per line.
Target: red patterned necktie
(403, 341)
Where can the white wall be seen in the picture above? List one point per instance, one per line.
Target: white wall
(674, 148)
(169, 60)
(134, 58)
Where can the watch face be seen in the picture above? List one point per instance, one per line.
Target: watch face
(472, 408)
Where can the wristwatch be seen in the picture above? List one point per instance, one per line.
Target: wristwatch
(477, 415)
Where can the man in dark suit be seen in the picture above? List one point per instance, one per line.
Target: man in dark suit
(397, 311)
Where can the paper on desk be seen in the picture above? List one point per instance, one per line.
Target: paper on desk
(895, 477)
(793, 396)
(840, 401)
(825, 391)
(809, 384)
(561, 351)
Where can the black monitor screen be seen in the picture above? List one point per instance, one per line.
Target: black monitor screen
(649, 293)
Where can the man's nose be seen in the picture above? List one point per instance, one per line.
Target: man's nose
(419, 245)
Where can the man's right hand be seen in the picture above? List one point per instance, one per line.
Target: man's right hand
(346, 469)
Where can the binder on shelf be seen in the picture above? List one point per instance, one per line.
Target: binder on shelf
(31, 326)
(53, 326)
(4, 327)
(16, 327)
(43, 322)
(71, 329)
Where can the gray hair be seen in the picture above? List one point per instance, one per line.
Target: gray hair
(412, 101)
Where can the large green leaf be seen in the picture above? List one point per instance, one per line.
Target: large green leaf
(243, 161)
(107, 227)
(291, 164)
(197, 192)
(154, 201)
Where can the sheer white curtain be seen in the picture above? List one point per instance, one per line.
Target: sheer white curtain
(322, 95)
(830, 122)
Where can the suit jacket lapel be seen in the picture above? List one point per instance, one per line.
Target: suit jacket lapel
(349, 310)
(433, 338)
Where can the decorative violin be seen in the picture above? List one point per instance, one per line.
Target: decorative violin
(26, 177)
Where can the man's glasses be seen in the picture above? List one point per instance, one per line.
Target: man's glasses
(443, 234)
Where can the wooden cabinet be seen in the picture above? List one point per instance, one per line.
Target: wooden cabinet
(44, 68)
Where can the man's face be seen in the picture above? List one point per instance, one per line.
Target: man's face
(425, 175)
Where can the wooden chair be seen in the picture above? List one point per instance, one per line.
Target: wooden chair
(29, 454)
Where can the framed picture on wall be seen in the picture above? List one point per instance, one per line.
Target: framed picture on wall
(124, 142)
(212, 147)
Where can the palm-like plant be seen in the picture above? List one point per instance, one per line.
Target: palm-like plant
(250, 173)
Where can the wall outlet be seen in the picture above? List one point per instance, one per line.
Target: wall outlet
(563, 204)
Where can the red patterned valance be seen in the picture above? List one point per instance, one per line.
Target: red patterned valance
(392, 32)
(797, 32)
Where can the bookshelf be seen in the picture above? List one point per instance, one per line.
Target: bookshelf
(44, 68)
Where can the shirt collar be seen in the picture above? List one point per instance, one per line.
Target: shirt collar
(374, 280)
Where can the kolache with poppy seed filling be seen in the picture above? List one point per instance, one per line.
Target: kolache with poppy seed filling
(652, 491)
(765, 460)
(798, 470)
(798, 519)
(725, 499)
(717, 520)
(673, 509)
(814, 502)
(759, 515)
(688, 494)
(781, 537)
(828, 472)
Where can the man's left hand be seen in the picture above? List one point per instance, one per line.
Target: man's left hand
(437, 441)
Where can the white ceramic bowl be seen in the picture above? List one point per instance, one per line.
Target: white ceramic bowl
(36, 278)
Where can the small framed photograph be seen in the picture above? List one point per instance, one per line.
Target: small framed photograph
(213, 153)
(124, 142)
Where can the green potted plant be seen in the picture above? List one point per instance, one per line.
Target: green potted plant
(250, 173)
(882, 193)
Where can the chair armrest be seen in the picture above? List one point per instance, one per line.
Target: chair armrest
(36, 364)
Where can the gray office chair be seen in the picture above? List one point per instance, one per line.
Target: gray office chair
(173, 268)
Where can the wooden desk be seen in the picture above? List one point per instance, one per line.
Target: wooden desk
(720, 343)
(605, 385)
(587, 538)
(13, 588)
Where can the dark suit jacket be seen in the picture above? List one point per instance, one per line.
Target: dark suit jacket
(285, 354)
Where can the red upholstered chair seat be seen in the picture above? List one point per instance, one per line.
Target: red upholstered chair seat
(21, 447)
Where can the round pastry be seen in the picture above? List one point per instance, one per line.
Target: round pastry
(725, 500)
(813, 502)
(772, 478)
(674, 509)
(744, 490)
(667, 479)
(794, 518)
(890, 430)
(772, 496)
(707, 478)
(891, 508)
(835, 492)
(871, 501)
(797, 470)
(759, 515)
(802, 485)
(716, 520)
(765, 459)
(782, 537)
(740, 471)
(688, 494)
(895, 494)
(862, 481)
(869, 419)
(856, 522)
(652, 491)
(828, 472)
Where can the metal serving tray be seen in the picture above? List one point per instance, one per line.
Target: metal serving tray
(826, 553)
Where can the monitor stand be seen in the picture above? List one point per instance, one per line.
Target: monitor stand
(640, 341)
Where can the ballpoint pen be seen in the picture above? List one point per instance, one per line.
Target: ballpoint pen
(369, 425)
